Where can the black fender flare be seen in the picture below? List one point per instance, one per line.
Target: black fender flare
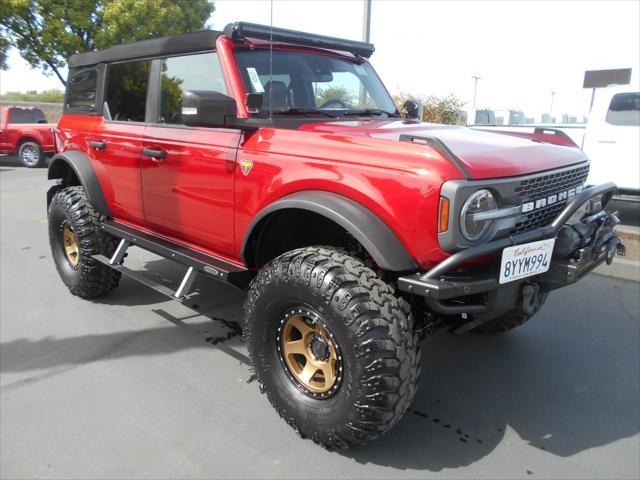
(373, 234)
(81, 166)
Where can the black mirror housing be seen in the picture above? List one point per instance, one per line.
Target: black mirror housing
(412, 110)
(206, 108)
(253, 101)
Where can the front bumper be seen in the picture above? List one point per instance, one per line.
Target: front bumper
(450, 290)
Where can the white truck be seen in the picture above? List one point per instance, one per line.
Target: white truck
(612, 140)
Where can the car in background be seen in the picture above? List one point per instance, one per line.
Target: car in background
(612, 140)
(24, 131)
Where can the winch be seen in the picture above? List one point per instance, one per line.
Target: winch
(592, 236)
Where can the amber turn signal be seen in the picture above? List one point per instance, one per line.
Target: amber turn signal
(443, 223)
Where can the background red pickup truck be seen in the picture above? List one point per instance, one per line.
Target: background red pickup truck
(25, 131)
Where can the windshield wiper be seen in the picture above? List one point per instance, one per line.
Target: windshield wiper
(370, 111)
(303, 111)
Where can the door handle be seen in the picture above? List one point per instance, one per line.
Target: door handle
(98, 145)
(153, 153)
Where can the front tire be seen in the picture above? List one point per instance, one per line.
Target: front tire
(331, 346)
(30, 154)
(74, 237)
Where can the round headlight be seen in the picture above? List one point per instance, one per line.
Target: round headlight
(473, 228)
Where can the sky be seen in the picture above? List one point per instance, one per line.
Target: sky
(522, 50)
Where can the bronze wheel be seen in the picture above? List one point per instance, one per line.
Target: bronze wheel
(70, 242)
(331, 346)
(309, 353)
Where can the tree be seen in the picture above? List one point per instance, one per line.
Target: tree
(447, 110)
(323, 95)
(4, 47)
(47, 32)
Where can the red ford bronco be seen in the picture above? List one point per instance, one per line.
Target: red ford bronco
(25, 131)
(276, 161)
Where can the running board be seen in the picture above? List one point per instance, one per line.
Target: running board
(158, 287)
(195, 260)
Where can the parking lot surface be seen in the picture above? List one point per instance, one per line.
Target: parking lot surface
(137, 386)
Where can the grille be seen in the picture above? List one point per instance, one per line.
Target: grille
(540, 187)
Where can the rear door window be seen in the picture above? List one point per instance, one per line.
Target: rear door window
(127, 91)
(624, 109)
(38, 116)
(192, 72)
(21, 115)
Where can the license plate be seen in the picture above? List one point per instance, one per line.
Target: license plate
(526, 260)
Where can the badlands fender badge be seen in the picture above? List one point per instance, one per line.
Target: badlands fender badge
(246, 166)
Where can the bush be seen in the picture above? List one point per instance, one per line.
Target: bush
(447, 110)
(49, 96)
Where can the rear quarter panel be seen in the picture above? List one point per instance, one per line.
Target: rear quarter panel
(73, 133)
(15, 134)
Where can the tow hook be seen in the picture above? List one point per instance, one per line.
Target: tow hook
(530, 299)
(613, 247)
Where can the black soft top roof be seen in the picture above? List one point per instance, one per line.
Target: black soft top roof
(154, 47)
(206, 40)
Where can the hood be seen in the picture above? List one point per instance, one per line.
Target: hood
(480, 154)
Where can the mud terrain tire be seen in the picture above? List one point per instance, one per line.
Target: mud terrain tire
(71, 217)
(379, 358)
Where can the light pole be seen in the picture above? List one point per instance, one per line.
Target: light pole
(366, 21)
(475, 90)
(366, 37)
(553, 94)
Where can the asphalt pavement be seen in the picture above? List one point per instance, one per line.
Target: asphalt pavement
(138, 386)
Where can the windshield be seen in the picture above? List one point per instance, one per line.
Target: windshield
(307, 83)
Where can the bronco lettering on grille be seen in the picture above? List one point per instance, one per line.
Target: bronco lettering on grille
(551, 199)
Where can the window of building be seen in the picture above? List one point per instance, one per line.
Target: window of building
(127, 90)
(179, 74)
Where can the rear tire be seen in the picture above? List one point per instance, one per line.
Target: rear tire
(31, 154)
(377, 359)
(74, 236)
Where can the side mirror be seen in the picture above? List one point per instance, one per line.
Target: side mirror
(412, 110)
(205, 108)
(253, 101)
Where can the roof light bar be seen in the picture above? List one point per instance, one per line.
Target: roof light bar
(241, 30)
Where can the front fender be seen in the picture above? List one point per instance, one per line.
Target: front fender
(374, 235)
